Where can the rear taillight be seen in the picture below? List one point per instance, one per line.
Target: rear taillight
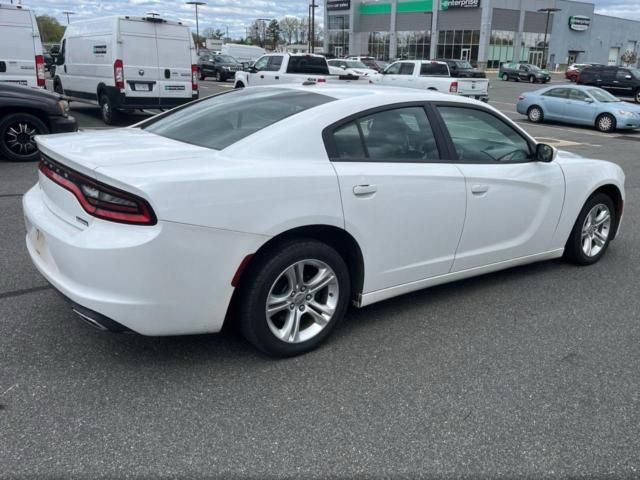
(118, 73)
(194, 77)
(40, 70)
(453, 88)
(521, 97)
(98, 199)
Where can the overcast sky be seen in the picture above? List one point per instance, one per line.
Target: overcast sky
(234, 14)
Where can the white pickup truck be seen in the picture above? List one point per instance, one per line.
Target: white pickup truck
(432, 75)
(278, 68)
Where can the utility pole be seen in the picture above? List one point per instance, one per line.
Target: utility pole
(312, 25)
(67, 13)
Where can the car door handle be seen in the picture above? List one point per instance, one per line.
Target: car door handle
(478, 189)
(261, 76)
(364, 189)
(277, 78)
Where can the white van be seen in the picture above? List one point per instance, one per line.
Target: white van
(128, 63)
(21, 59)
(242, 53)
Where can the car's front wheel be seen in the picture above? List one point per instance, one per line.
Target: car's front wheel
(532, 79)
(16, 136)
(293, 296)
(606, 123)
(505, 77)
(592, 231)
(637, 96)
(535, 114)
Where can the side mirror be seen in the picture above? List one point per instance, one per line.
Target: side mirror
(628, 77)
(252, 69)
(588, 100)
(545, 153)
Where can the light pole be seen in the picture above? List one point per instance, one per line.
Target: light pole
(196, 4)
(67, 13)
(545, 50)
(312, 25)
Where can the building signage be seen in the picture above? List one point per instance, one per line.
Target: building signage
(338, 4)
(454, 4)
(579, 23)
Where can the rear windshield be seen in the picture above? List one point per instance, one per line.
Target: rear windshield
(219, 121)
(308, 64)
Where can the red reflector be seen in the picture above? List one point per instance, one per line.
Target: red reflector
(243, 265)
(98, 199)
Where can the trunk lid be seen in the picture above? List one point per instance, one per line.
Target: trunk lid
(473, 86)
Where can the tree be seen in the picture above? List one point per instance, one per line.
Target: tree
(50, 29)
(290, 27)
(302, 35)
(199, 41)
(256, 32)
(273, 33)
(216, 34)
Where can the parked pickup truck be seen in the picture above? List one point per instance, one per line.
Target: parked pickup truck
(432, 75)
(277, 68)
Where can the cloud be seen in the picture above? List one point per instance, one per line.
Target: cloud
(235, 15)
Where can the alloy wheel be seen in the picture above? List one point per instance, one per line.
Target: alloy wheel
(18, 138)
(595, 230)
(605, 123)
(535, 114)
(302, 301)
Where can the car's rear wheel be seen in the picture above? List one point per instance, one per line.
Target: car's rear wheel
(239, 85)
(109, 114)
(636, 96)
(505, 77)
(16, 136)
(592, 231)
(535, 114)
(57, 86)
(606, 123)
(293, 297)
(201, 75)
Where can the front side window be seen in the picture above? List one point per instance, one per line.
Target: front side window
(261, 64)
(480, 137)
(393, 69)
(397, 135)
(219, 121)
(274, 63)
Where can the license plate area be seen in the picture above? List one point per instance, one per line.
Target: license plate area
(141, 86)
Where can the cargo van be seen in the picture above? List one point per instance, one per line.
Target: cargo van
(128, 63)
(242, 53)
(21, 59)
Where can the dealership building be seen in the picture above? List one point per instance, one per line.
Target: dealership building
(486, 32)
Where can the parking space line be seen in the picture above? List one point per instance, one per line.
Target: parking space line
(24, 291)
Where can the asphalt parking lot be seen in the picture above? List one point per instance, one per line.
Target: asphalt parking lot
(532, 372)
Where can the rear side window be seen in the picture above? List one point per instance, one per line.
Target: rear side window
(308, 64)
(222, 120)
(434, 69)
(557, 93)
(396, 135)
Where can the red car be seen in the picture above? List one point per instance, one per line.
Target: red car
(573, 72)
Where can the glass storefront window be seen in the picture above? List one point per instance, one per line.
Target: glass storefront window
(533, 46)
(338, 35)
(413, 45)
(501, 48)
(458, 44)
(379, 45)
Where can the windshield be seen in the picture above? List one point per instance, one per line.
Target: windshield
(355, 64)
(464, 65)
(221, 120)
(533, 68)
(225, 59)
(602, 95)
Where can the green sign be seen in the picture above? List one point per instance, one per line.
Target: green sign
(374, 8)
(415, 6)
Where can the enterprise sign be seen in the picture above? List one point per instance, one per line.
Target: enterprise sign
(579, 23)
(454, 4)
(338, 4)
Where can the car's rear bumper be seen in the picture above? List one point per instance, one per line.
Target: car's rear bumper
(165, 279)
(128, 102)
(483, 98)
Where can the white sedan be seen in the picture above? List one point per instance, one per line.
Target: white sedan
(291, 203)
(339, 66)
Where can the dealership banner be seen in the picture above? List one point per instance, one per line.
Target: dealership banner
(453, 4)
(579, 23)
(338, 4)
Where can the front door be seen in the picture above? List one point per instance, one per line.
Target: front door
(337, 51)
(256, 76)
(465, 54)
(535, 57)
(580, 107)
(391, 73)
(403, 205)
(513, 203)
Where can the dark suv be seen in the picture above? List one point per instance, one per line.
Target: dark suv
(219, 66)
(619, 81)
(462, 69)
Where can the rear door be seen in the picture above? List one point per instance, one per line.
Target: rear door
(140, 58)
(554, 103)
(174, 60)
(18, 47)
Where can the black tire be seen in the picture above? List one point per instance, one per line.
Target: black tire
(239, 85)
(535, 114)
(201, 75)
(261, 277)
(606, 123)
(219, 77)
(57, 86)
(505, 77)
(109, 114)
(636, 96)
(573, 250)
(16, 136)
(532, 79)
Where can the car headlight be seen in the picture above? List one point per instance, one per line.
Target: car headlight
(63, 105)
(624, 113)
